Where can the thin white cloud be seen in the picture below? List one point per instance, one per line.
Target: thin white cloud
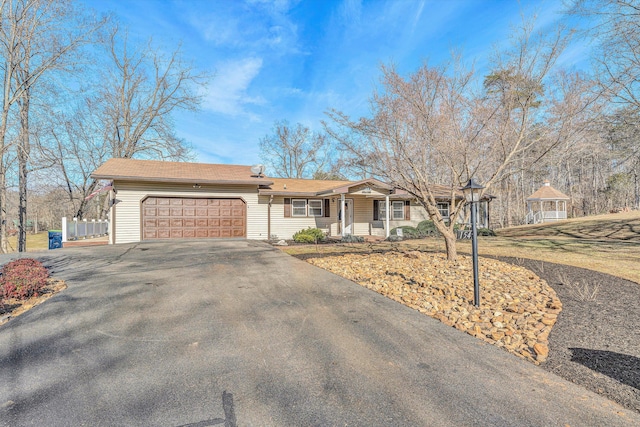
(260, 25)
(228, 93)
(417, 16)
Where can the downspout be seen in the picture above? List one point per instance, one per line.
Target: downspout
(388, 226)
(269, 217)
(342, 220)
(112, 216)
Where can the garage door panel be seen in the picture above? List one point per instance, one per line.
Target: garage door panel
(180, 218)
(150, 222)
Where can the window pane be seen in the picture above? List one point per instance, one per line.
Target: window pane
(382, 210)
(444, 209)
(299, 207)
(398, 210)
(315, 207)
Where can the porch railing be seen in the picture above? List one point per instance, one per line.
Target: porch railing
(83, 229)
(544, 216)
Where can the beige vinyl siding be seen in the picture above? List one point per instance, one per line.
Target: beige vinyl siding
(362, 215)
(285, 228)
(131, 194)
(418, 214)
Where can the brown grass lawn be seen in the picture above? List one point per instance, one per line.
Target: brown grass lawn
(35, 242)
(606, 243)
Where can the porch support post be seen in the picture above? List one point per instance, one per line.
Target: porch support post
(557, 217)
(541, 211)
(387, 225)
(342, 216)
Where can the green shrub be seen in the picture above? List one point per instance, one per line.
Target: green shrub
(409, 232)
(427, 226)
(349, 238)
(23, 278)
(309, 235)
(485, 232)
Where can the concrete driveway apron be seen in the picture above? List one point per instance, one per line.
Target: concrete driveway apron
(232, 333)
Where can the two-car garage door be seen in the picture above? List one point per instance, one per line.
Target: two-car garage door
(183, 218)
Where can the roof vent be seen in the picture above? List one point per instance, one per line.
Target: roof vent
(257, 170)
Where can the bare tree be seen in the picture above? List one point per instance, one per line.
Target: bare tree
(435, 127)
(294, 152)
(131, 113)
(615, 26)
(36, 36)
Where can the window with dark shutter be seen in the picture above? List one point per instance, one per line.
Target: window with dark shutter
(375, 210)
(327, 206)
(287, 207)
(407, 209)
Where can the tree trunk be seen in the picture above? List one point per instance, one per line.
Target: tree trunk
(82, 209)
(4, 246)
(450, 245)
(23, 158)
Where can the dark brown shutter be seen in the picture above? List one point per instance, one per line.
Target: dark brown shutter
(407, 209)
(287, 207)
(375, 210)
(327, 208)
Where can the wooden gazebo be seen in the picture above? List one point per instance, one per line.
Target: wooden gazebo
(546, 205)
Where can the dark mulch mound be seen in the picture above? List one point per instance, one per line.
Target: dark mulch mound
(596, 340)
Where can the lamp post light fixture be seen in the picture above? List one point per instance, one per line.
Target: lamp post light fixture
(472, 193)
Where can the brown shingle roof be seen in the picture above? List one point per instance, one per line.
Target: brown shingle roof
(301, 187)
(159, 171)
(547, 192)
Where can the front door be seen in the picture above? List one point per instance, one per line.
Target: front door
(348, 217)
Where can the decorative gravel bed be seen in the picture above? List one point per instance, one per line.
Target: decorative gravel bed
(517, 309)
(591, 338)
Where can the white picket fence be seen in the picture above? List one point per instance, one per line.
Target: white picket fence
(83, 229)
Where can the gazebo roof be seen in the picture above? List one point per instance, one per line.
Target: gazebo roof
(547, 192)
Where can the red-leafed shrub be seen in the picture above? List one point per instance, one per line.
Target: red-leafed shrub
(23, 278)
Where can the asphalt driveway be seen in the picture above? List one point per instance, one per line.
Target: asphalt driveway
(232, 333)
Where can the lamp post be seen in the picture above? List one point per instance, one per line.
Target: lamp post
(472, 194)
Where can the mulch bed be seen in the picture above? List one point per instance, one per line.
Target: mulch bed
(11, 308)
(595, 342)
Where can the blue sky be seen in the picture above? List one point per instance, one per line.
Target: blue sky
(293, 60)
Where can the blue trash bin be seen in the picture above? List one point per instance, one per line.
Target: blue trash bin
(55, 239)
